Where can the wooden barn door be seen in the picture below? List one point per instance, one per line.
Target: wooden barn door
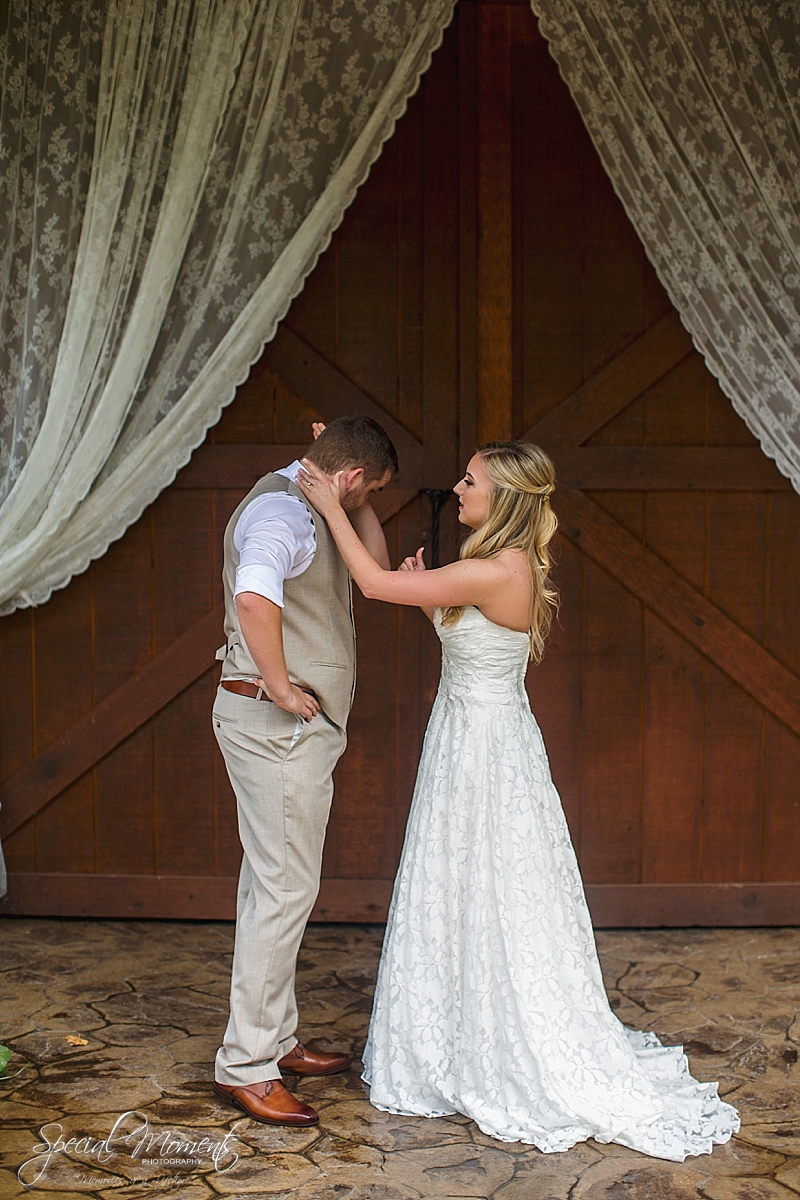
(484, 284)
(670, 701)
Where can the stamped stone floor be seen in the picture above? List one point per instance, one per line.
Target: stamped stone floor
(108, 1018)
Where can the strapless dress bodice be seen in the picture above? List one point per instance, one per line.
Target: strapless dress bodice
(482, 663)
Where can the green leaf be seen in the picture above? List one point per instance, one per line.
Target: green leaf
(5, 1055)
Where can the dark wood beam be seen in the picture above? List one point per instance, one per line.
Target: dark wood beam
(239, 466)
(328, 390)
(213, 898)
(199, 898)
(612, 468)
(668, 468)
(617, 385)
(494, 327)
(679, 905)
(681, 606)
(467, 18)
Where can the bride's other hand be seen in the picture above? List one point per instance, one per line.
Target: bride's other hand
(323, 491)
(413, 563)
(317, 428)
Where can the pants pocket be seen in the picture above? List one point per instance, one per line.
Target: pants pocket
(220, 719)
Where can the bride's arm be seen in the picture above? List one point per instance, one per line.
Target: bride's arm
(472, 581)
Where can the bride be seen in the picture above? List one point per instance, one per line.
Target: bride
(490, 1000)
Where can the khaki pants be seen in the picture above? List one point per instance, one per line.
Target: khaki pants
(281, 770)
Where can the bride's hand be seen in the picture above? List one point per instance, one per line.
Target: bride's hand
(323, 491)
(414, 563)
(317, 428)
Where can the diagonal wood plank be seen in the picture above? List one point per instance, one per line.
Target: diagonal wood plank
(329, 391)
(389, 502)
(681, 606)
(617, 385)
(110, 722)
(137, 700)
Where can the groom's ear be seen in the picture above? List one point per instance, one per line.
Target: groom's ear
(352, 477)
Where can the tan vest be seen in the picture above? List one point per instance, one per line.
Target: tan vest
(318, 630)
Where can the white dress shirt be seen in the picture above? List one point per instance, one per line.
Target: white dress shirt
(276, 541)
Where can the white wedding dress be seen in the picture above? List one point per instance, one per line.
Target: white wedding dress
(490, 1000)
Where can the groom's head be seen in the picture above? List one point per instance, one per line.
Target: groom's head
(359, 448)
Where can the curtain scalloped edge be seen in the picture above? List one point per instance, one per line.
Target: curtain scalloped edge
(768, 446)
(38, 595)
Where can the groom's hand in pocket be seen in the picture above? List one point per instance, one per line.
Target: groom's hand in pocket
(297, 700)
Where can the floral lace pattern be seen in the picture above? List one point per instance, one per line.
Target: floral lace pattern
(170, 171)
(694, 109)
(490, 1000)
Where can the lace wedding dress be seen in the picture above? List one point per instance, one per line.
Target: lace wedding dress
(490, 1000)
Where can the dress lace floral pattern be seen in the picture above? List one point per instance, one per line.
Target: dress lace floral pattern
(490, 1000)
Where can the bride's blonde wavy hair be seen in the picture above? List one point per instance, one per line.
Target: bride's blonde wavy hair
(520, 518)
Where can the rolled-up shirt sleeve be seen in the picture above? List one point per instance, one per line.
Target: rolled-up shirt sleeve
(276, 541)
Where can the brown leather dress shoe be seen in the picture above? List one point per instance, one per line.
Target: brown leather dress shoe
(269, 1103)
(302, 1061)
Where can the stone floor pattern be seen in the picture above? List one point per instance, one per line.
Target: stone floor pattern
(106, 1017)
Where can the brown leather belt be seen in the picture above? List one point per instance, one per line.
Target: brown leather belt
(242, 688)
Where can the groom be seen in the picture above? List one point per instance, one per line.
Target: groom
(287, 685)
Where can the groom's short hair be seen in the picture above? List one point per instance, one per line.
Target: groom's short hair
(354, 441)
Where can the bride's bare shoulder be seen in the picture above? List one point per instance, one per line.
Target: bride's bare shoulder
(515, 562)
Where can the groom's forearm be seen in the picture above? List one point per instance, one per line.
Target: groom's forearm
(261, 623)
(367, 525)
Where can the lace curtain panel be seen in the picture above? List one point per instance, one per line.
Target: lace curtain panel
(170, 171)
(693, 106)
